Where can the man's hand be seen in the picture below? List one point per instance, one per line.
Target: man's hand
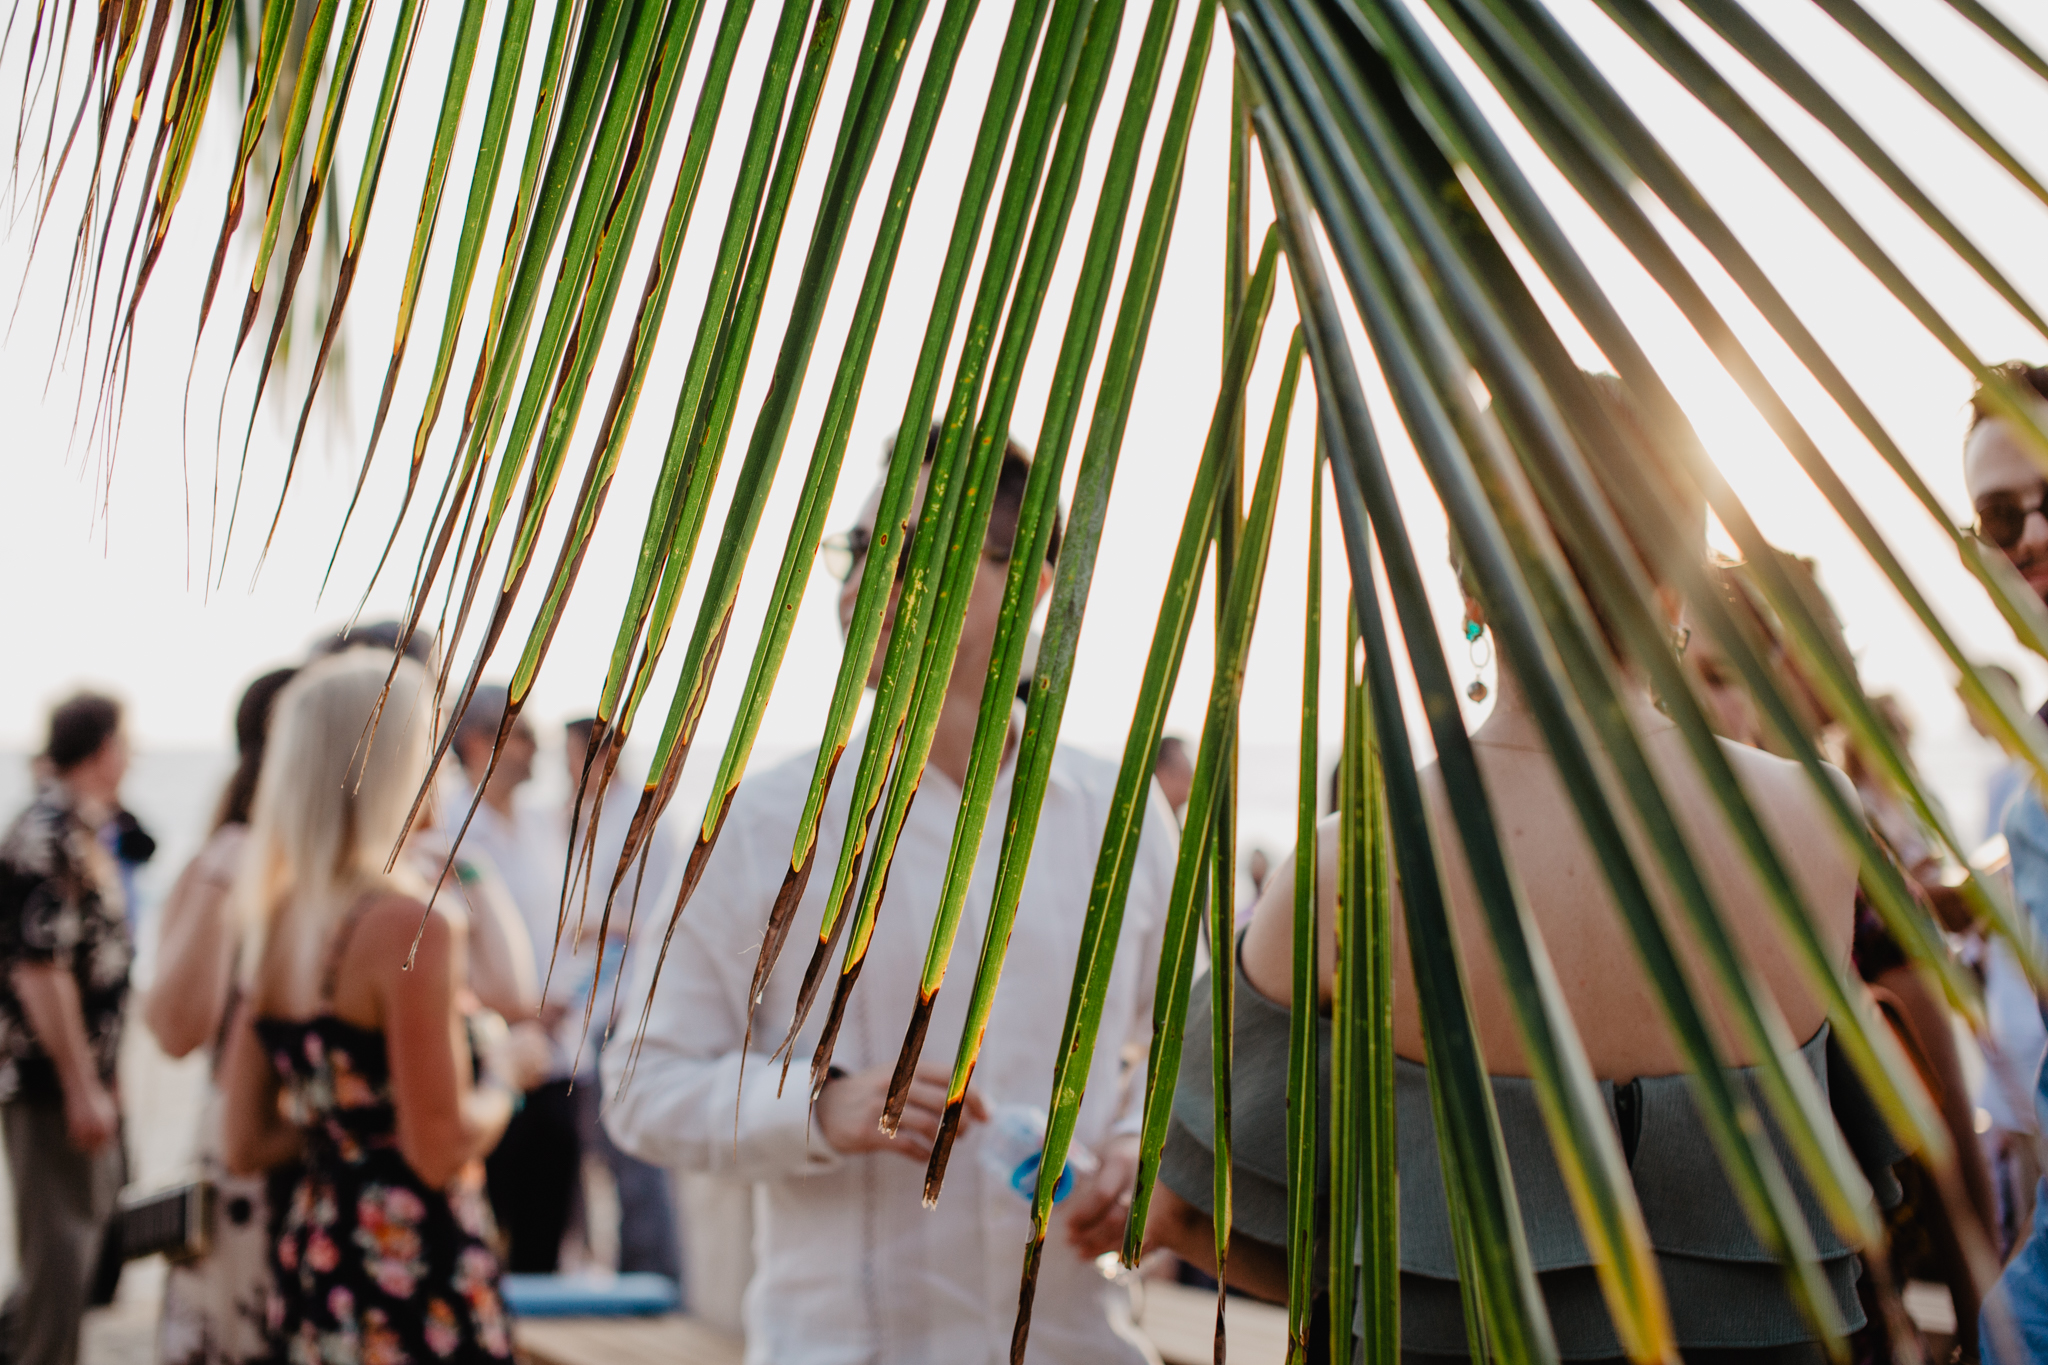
(49, 998)
(849, 1112)
(91, 1116)
(527, 1056)
(517, 1056)
(1101, 1203)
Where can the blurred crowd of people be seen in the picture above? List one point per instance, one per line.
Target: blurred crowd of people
(420, 1058)
(288, 912)
(415, 1053)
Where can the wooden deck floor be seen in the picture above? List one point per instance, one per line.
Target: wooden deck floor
(1180, 1321)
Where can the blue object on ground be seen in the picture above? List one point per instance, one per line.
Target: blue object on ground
(584, 1296)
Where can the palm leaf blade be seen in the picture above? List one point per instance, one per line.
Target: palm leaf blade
(1072, 579)
(1119, 851)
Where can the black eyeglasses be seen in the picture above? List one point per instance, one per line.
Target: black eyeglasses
(2002, 516)
(844, 552)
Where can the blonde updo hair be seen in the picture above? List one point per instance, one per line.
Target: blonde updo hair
(331, 802)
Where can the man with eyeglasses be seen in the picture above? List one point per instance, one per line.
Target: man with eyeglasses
(850, 1267)
(2004, 469)
(2006, 480)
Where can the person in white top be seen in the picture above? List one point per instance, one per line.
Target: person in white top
(647, 1216)
(534, 1172)
(850, 1267)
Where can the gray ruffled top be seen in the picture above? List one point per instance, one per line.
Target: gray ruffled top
(1726, 1291)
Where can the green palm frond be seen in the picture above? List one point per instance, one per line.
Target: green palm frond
(945, 549)
(1397, 145)
(1053, 676)
(1312, 1112)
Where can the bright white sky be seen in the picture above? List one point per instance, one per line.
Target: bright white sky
(104, 579)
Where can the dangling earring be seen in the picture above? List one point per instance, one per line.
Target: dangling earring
(1474, 635)
(1681, 636)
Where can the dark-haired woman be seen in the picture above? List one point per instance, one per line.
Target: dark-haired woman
(1726, 1296)
(214, 1307)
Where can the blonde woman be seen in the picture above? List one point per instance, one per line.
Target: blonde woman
(354, 1012)
(215, 1308)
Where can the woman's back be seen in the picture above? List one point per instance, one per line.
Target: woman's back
(328, 1045)
(1568, 896)
(369, 1243)
(1725, 1290)
(348, 1052)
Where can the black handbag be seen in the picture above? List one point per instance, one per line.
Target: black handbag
(176, 1222)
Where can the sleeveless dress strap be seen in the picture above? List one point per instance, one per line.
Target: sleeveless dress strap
(330, 973)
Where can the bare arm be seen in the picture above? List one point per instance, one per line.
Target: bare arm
(1926, 1014)
(49, 997)
(255, 1135)
(196, 953)
(1267, 953)
(501, 953)
(1255, 1267)
(444, 1120)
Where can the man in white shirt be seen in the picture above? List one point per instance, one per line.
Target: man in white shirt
(850, 1266)
(534, 1171)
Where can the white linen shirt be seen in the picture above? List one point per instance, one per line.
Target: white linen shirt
(638, 905)
(850, 1266)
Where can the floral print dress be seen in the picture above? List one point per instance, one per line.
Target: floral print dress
(372, 1265)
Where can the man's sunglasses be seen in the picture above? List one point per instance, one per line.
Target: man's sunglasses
(2002, 516)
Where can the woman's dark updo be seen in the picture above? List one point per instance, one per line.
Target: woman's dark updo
(252, 727)
(1679, 495)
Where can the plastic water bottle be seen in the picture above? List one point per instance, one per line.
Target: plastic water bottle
(1013, 1145)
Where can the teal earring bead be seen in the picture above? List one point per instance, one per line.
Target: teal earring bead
(1476, 692)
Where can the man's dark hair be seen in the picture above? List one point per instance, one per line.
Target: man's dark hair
(484, 714)
(576, 733)
(1009, 503)
(79, 727)
(576, 737)
(2019, 373)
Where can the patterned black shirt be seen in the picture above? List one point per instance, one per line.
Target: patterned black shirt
(60, 902)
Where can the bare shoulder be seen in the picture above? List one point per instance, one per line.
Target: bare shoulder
(397, 930)
(1795, 810)
(1784, 785)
